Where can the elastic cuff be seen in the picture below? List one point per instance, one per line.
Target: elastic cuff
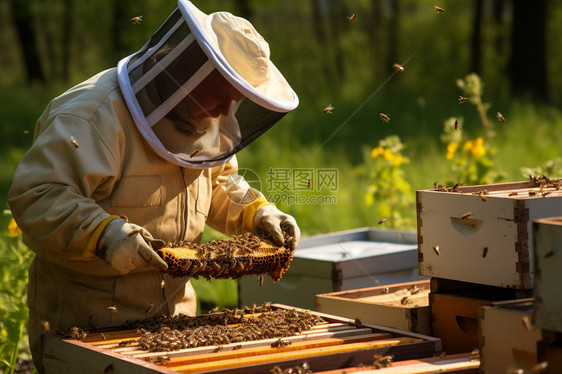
(250, 211)
(93, 242)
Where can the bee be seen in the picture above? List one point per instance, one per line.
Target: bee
(526, 321)
(435, 185)
(328, 109)
(357, 322)
(162, 284)
(46, 326)
(454, 189)
(438, 9)
(466, 215)
(149, 308)
(103, 337)
(406, 300)
(386, 290)
(383, 220)
(415, 290)
(513, 194)
(260, 281)
(462, 99)
(532, 193)
(136, 20)
(112, 308)
(194, 153)
(436, 249)
(352, 17)
(474, 355)
(548, 254)
(538, 368)
(484, 252)
(482, 196)
(456, 124)
(500, 116)
(398, 67)
(218, 349)
(26, 131)
(384, 117)
(74, 142)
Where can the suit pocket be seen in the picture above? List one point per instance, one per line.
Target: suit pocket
(138, 191)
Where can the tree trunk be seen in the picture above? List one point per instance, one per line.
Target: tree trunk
(67, 30)
(476, 46)
(528, 50)
(23, 19)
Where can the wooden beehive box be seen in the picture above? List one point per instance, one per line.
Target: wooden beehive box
(483, 234)
(548, 273)
(404, 306)
(508, 339)
(454, 311)
(339, 261)
(336, 344)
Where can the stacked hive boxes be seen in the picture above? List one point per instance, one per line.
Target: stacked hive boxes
(477, 245)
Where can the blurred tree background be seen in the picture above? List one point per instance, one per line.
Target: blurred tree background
(337, 52)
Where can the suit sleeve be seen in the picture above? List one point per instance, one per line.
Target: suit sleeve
(233, 203)
(56, 185)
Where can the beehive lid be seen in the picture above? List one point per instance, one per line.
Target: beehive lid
(355, 249)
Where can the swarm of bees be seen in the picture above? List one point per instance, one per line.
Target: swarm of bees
(221, 259)
(328, 109)
(384, 117)
(219, 327)
(136, 20)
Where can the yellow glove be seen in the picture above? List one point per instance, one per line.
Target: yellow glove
(125, 247)
(273, 221)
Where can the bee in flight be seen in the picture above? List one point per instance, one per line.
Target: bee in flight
(456, 124)
(398, 67)
(438, 9)
(384, 117)
(462, 99)
(500, 116)
(352, 17)
(328, 109)
(194, 153)
(136, 20)
(383, 220)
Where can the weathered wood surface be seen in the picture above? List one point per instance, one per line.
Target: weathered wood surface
(383, 305)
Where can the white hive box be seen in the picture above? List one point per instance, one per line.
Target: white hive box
(548, 273)
(339, 261)
(508, 339)
(483, 239)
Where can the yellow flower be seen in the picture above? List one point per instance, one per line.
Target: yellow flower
(468, 145)
(376, 152)
(388, 154)
(451, 149)
(478, 150)
(13, 229)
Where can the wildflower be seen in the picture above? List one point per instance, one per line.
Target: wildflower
(478, 149)
(451, 149)
(376, 152)
(13, 229)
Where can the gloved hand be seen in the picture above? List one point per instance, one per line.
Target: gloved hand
(273, 221)
(125, 247)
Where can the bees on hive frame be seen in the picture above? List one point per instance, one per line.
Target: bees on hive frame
(328, 109)
(136, 20)
(384, 117)
(462, 99)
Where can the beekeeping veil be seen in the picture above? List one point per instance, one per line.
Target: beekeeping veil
(203, 87)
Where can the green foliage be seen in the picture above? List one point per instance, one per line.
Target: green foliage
(550, 168)
(14, 262)
(388, 187)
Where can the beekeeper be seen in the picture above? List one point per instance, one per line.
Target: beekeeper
(142, 154)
